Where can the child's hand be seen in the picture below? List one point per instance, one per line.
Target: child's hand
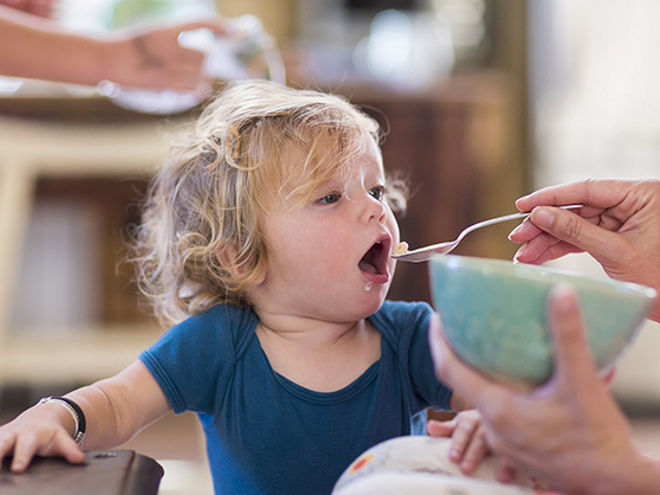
(40, 431)
(468, 446)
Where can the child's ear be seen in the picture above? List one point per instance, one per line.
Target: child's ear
(227, 258)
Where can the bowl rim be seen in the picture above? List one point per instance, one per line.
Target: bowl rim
(529, 272)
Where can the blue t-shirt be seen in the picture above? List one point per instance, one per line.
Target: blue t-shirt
(267, 435)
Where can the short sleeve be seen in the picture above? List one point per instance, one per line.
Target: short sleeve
(193, 362)
(420, 363)
(406, 326)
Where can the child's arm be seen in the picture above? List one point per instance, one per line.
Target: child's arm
(115, 410)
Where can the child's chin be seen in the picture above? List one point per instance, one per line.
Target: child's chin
(375, 298)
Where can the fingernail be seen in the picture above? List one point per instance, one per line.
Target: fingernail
(544, 217)
(515, 231)
(563, 291)
(519, 253)
(564, 297)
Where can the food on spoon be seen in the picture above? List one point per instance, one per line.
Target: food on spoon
(401, 248)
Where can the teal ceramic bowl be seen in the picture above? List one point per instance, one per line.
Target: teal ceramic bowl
(493, 314)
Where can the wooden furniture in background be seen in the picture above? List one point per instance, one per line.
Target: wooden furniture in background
(32, 150)
(115, 206)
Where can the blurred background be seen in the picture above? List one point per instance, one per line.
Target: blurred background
(481, 101)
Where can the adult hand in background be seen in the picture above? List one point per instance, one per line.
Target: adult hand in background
(145, 57)
(41, 8)
(152, 57)
(619, 226)
(569, 432)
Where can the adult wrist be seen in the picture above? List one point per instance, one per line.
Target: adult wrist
(108, 58)
(76, 412)
(646, 480)
(639, 476)
(119, 61)
(85, 57)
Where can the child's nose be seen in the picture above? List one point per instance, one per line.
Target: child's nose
(374, 210)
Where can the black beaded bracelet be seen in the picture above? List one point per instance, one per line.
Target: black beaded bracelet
(77, 413)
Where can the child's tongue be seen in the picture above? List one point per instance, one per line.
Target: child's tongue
(365, 266)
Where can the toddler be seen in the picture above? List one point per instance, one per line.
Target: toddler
(267, 240)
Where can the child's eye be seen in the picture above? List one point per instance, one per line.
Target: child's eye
(377, 192)
(331, 198)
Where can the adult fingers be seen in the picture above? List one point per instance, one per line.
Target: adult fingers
(42, 8)
(528, 231)
(603, 193)
(170, 76)
(191, 81)
(573, 229)
(573, 362)
(544, 248)
(188, 59)
(524, 232)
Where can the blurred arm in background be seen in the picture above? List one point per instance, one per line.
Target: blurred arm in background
(146, 57)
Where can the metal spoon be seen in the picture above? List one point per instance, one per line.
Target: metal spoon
(424, 253)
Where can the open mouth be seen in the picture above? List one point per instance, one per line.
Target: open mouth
(374, 262)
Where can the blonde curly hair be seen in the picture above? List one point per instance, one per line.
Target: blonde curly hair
(232, 164)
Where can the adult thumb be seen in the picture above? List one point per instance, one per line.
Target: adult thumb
(573, 361)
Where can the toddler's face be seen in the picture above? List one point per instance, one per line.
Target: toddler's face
(330, 259)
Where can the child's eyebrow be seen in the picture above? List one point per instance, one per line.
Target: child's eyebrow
(330, 186)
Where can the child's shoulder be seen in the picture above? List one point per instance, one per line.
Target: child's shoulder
(397, 316)
(219, 320)
(404, 310)
(403, 325)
